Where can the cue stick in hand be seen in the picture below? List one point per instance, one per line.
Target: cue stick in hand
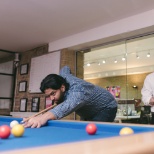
(41, 112)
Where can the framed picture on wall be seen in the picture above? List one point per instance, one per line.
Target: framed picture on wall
(114, 90)
(24, 69)
(48, 102)
(35, 104)
(22, 86)
(23, 104)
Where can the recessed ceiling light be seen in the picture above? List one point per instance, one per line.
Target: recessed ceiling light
(123, 58)
(137, 56)
(88, 64)
(148, 55)
(103, 61)
(115, 61)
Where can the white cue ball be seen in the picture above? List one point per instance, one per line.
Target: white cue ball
(13, 123)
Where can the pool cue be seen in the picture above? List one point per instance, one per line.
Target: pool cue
(41, 112)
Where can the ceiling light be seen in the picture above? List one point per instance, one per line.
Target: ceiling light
(88, 64)
(103, 61)
(123, 58)
(148, 55)
(135, 86)
(115, 61)
(137, 56)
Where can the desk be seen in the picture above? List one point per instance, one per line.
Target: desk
(120, 118)
(69, 137)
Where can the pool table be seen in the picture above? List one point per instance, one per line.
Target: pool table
(70, 137)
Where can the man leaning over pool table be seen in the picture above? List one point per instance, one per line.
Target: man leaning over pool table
(90, 102)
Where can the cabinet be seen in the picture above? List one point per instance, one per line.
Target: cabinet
(127, 111)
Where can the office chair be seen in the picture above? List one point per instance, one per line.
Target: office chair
(145, 117)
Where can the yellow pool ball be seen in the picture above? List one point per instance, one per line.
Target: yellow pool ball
(18, 130)
(126, 131)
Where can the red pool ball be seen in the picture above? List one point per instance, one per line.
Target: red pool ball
(91, 129)
(5, 131)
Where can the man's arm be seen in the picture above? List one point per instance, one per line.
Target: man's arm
(147, 93)
(65, 70)
(151, 102)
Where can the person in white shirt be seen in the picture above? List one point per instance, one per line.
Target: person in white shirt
(148, 93)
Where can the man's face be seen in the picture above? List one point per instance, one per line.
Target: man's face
(55, 95)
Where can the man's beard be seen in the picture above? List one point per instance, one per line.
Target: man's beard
(58, 101)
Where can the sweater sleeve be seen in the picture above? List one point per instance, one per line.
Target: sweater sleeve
(65, 70)
(73, 102)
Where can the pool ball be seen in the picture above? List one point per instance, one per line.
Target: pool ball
(91, 129)
(18, 130)
(13, 123)
(5, 131)
(126, 131)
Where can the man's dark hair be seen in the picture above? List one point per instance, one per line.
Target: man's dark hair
(53, 81)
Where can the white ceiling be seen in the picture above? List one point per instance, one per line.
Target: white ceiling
(26, 24)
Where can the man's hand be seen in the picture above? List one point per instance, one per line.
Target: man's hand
(151, 101)
(38, 121)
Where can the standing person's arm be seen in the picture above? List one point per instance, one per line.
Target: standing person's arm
(147, 92)
(151, 101)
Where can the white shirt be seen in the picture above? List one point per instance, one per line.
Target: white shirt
(148, 90)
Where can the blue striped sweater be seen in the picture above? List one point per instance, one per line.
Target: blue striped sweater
(82, 97)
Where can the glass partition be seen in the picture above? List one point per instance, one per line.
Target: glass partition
(106, 66)
(140, 55)
(120, 68)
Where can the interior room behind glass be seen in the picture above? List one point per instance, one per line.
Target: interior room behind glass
(121, 68)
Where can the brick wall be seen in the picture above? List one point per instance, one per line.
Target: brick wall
(67, 58)
(25, 58)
